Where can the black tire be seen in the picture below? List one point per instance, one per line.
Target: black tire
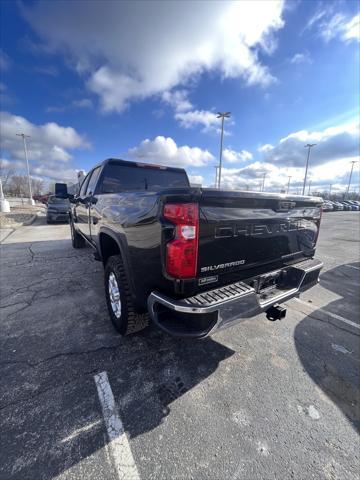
(48, 221)
(76, 239)
(127, 321)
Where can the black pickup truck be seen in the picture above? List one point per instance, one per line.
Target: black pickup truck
(194, 260)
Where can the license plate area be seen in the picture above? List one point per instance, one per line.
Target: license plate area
(274, 284)
(268, 282)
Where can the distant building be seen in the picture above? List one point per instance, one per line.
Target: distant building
(74, 188)
(81, 175)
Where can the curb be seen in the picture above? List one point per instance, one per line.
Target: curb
(24, 224)
(7, 236)
(29, 222)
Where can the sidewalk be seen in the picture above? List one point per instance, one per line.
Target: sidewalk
(4, 233)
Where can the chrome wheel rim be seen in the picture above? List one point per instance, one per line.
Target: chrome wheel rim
(114, 294)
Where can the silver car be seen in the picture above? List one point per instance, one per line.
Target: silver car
(57, 209)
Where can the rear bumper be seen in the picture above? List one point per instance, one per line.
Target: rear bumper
(207, 312)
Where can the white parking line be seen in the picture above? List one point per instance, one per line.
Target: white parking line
(351, 266)
(332, 315)
(119, 446)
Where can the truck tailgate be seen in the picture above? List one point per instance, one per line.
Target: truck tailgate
(243, 230)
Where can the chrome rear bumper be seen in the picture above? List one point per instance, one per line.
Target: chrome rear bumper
(207, 312)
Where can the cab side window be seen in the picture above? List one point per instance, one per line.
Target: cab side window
(93, 181)
(84, 185)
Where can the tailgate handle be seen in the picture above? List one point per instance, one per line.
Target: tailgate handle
(224, 232)
(284, 206)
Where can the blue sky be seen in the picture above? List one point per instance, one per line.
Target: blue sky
(91, 80)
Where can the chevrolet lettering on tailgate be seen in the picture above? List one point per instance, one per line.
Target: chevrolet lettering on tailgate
(253, 229)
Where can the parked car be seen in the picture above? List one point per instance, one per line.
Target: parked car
(194, 260)
(346, 206)
(351, 205)
(57, 209)
(354, 205)
(41, 198)
(337, 206)
(327, 207)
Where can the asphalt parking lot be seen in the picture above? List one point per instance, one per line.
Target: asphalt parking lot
(260, 400)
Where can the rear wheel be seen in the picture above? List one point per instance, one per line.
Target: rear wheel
(119, 301)
(76, 239)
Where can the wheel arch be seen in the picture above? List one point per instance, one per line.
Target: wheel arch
(111, 243)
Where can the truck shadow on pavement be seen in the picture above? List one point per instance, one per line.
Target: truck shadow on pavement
(170, 368)
(328, 348)
(56, 335)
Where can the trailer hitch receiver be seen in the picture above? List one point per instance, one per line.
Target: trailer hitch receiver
(275, 313)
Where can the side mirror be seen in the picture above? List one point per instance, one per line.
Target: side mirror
(90, 199)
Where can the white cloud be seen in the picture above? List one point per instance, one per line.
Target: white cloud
(265, 148)
(164, 151)
(196, 179)
(203, 118)
(352, 29)
(332, 25)
(133, 50)
(276, 179)
(68, 175)
(49, 145)
(299, 58)
(251, 176)
(332, 143)
(329, 163)
(178, 100)
(232, 156)
(188, 117)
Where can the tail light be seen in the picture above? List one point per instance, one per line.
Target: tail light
(182, 251)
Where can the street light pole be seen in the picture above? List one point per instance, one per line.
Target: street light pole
(222, 116)
(309, 146)
(309, 187)
(351, 172)
(216, 174)
(263, 182)
(31, 201)
(288, 185)
(330, 190)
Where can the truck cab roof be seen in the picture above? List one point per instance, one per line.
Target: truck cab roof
(120, 161)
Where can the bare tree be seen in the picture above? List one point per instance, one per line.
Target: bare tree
(37, 186)
(6, 173)
(18, 185)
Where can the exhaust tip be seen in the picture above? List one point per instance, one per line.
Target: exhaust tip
(276, 313)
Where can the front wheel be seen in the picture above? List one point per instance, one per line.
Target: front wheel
(119, 301)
